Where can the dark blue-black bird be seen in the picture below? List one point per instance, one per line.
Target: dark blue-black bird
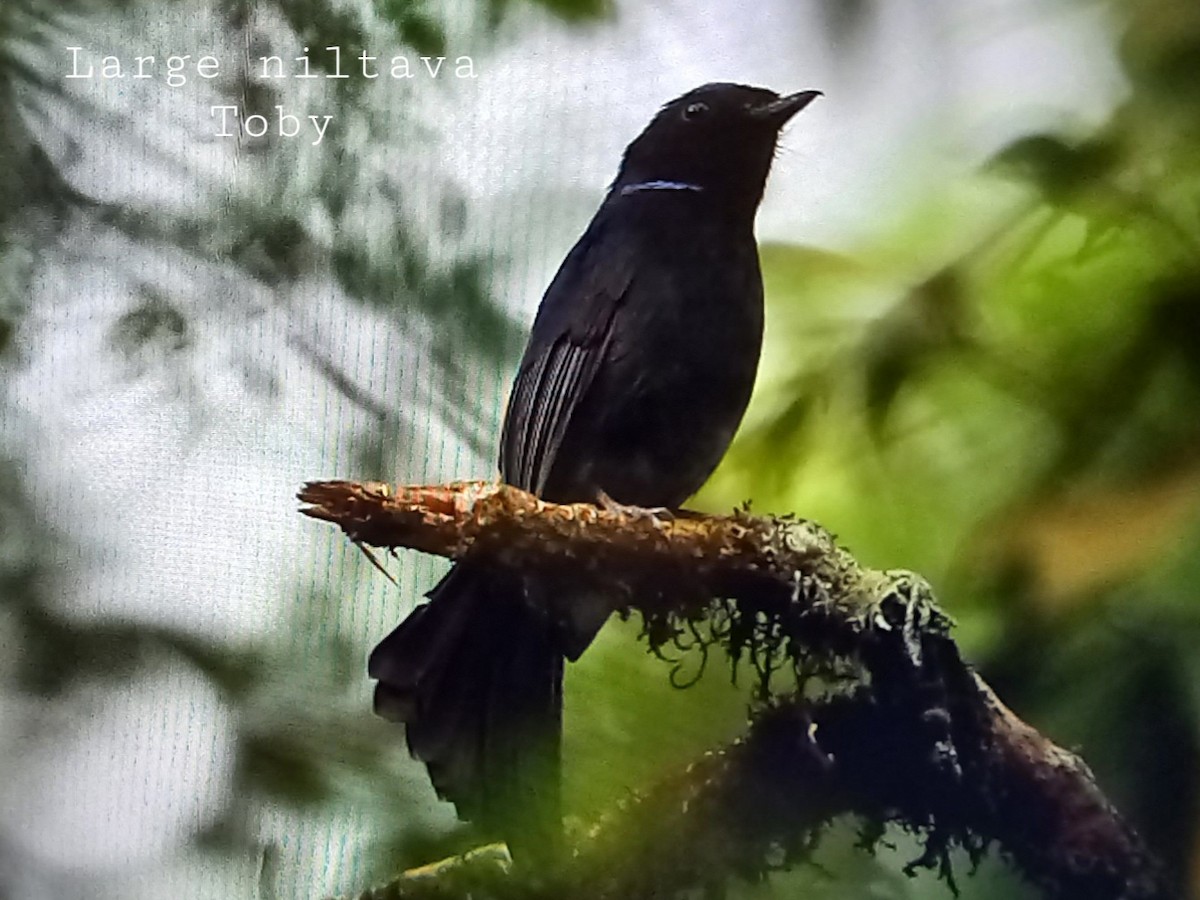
(637, 372)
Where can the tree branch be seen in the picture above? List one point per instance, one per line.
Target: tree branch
(904, 732)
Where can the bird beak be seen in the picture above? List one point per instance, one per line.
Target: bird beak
(777, 112)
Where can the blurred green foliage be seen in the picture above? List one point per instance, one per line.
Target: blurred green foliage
(291, 754)
(1005, 395)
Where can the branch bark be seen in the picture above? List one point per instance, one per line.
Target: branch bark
(905, 732)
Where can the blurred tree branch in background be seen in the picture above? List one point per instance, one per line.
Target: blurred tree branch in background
(904, 732)
(256, 233)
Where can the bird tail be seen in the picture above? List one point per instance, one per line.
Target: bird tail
(476, 676)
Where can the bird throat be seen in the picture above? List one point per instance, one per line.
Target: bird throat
(659, 186)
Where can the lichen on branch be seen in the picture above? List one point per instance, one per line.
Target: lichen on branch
(904, 733)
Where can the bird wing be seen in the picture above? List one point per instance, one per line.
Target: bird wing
(568, 342)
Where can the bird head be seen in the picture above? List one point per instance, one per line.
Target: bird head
(717, 139)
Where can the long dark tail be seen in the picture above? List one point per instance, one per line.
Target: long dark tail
(476, 675)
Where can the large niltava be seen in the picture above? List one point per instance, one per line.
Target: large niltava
(636, 375)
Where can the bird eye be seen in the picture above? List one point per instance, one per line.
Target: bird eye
(695, 111)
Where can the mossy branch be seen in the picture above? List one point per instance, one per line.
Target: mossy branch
(904, 733)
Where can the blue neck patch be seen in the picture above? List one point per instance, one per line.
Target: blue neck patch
(659, 186)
